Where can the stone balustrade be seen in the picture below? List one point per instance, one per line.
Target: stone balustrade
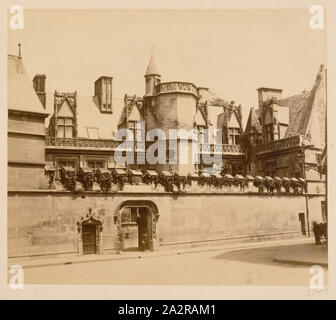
(176, 86)
(95, 144)
(111, 145)
(277, 145)
(221, 148)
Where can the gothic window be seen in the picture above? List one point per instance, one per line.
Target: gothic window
(132, 126)
(234, 136)
(65, 127)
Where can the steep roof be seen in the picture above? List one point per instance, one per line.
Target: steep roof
(253, 125)
(300, 107)
(21, 94)
(89, 116)
(129, 103)
(297, 106)
(152, 68)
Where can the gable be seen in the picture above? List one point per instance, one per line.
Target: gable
(134, 114)
(253, 124)
(65, 110)
(234, 123)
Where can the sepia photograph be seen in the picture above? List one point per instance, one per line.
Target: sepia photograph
(167, 147)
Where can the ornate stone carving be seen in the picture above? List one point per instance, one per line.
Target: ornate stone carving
(91, 219)
(279, 144)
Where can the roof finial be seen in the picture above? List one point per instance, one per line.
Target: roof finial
(19, 45)
(152, 48)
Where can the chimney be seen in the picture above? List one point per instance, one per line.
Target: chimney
(103, 92)
(39, 81)
(265, 94)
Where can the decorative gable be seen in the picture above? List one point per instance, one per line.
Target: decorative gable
(200, 119)
(135, 114)
(132, 111)
(65, 110)
(234, 122)
(65, 106)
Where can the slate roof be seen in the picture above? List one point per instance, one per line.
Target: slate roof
(89, 115)
(297, 105)
(21, 94)
(253, 125)
(152, 68)
(300, 107)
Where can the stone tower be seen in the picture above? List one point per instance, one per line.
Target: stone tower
(152, 76)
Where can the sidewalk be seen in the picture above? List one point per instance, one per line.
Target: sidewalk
(308, 254)
(44, 262)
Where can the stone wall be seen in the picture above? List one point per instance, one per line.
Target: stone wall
(26, 154)
(44, 222)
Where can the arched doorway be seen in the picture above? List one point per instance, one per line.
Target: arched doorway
(136, 221)
(90, 240)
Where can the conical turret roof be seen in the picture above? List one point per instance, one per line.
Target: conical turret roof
(152, 68)
(253, 125)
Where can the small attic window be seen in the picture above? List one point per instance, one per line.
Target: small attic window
(92, 133)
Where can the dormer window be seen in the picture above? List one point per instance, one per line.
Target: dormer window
(65, 127)
(233, 130)
(234, 136)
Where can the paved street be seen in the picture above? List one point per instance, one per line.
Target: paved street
(241, 267)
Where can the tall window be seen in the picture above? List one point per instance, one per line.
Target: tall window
(201, 136)
(234, 136)
(65, 127)
(132, 126)
(269, 132)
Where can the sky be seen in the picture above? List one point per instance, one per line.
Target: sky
(232, 52)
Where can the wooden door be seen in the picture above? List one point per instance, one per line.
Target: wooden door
(144, 227)
(89, 239)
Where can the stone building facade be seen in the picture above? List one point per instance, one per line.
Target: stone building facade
(67, 194)
(286, 136)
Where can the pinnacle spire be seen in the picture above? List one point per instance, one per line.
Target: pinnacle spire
(152, 68)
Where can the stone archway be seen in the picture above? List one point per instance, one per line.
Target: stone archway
(152, 217)
(90, 238)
